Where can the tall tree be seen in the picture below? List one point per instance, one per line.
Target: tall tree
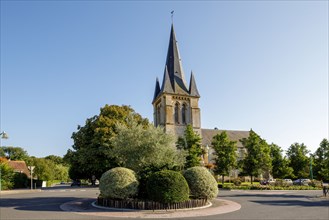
(7, 175)
(257, 158)
(299, 161)
(280, 164)
(191, 142)
(225, 152)
(92, 148)
(321, 161)
(137, 147)
(55, 159)
(15, 153)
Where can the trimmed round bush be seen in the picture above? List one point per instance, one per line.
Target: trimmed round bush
(201, 182)
(167, 186)
(118, 183)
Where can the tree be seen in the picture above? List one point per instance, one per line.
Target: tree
(44, 169)
(92, 148)
(225, 152)
(138, 146)
(257, 158)
(191, 142)
(280, 164)
(15, 153)
(55, 159)
(321, 161)
(298, 160)
(7, 175)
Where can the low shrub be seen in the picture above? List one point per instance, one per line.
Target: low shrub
(167, 186)
(201, 183)
(270, 187)
(118, 183)
(237, 181)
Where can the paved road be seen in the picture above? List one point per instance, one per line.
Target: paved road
(254, 204)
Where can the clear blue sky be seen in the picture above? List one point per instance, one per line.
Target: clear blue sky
(258, 64)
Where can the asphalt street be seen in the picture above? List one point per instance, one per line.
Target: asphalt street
(46, 204)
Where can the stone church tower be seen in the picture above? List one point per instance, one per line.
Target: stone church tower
(174, 104)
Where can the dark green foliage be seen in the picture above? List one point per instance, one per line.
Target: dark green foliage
(91, 154)
(258, 158)
(225, 154)
(7, 175)
(14, 153)
(20, 180)
(321, 161)
(280, 164)
(144, 175)
(191, 142)
(167, 187)
(299, 162)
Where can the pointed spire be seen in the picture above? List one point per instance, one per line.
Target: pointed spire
(166, 82)
(157, 89)
(174, 64)
(193, 88)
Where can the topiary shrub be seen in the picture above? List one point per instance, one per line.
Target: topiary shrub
(167, 186)
(201, 183)
(118, 183)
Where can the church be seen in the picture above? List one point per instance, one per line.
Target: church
(176, 104)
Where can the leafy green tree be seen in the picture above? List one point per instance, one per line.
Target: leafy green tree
(7, 175)
(191, 142)
(137, 146)
(2, 152)
(92, 148)
(225, 152)
(55, 159)
(61, 172)
(44, 169)
(280, 164)
(321, 161)
(299, 162)
(15, 153)
(257, 158)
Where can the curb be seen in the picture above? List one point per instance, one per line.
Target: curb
(8, 192)
(220, 206)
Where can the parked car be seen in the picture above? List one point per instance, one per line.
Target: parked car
(302, 182)
(268, 182)
(287, 182)
(76, 183)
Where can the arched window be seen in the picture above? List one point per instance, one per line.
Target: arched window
(158, 115)
(184, 114)
(176, 113)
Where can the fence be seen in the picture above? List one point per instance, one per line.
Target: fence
(150, 205)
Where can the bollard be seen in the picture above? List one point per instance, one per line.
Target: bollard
(325, 191)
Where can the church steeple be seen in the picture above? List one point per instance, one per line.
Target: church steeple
(174, 65)
(175, 105)
(193, 89)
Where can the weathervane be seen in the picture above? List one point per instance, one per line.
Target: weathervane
(172, 16)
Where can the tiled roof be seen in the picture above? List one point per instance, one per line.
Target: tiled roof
(207, 135)
(19, 167)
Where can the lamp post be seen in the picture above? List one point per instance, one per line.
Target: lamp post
(3, 135)
(31, 168)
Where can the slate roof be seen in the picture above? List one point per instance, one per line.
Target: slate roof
(19, 167)
(207, 135)
(173, 76)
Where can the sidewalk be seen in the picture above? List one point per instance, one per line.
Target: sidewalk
(16, 191)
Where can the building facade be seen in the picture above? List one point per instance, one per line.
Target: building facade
(175, 104)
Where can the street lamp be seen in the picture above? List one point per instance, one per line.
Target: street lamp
(31, 168)
(3, 135)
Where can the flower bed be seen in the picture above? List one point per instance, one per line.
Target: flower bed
(150, 205)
